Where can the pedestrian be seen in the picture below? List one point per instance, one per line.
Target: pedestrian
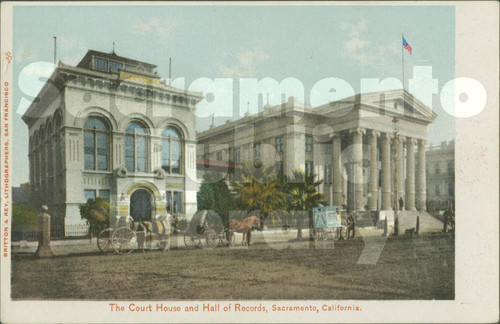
(350, 226)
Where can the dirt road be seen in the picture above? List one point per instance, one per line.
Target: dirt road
(418, 268)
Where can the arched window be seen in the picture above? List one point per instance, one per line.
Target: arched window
(96, 143)
(136, 147)
(171, 151)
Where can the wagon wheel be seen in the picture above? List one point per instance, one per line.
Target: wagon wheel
(191, 241)
(211, 238)
(104, 240)
(344, 232)
(227, 238)
(124, 240)
(340, 233)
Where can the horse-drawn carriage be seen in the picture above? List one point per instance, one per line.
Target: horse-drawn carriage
(328, 223)
(206, 230)
(127, 235)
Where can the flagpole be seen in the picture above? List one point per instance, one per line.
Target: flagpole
(402, 61)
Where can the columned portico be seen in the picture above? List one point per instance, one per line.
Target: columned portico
(365, 152)
(398, 143)
(373, 186)
(338, 179)
(357, 140)
(386, 173)
(410, 174)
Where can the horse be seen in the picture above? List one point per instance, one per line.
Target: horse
(244, 226)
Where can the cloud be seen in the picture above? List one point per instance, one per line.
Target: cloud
(70, 49)
(155, 27)
(25, 53)
(360, 48)
(244, 62)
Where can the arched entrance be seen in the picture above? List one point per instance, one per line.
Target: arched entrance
(141, 205)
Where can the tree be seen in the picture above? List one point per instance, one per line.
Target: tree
(302, 195)
(23, 215)
(98, 213)
(258, 188)
(215, 195)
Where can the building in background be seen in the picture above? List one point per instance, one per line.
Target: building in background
(109, 127)
(440, 171)
(369, 150)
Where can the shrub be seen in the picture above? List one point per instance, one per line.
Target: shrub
(98, 213)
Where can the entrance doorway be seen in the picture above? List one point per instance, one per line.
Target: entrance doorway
(141, 205)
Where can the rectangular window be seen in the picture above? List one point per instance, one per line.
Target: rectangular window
(436, 190)
(219, 156)
(280, 144)
(309, 141)
(115, 66)
(174, 202)
(102, 151)
(100, 64)
(237, 154)
(165, 155)
(89, 194)
(451, 189)
(141, 154)
(176, 157)
(309, 168)
(451, 167)
(129, 153)
(256, 151)
(437, 168)
(104, 194)
(328, 173)
(89, 150)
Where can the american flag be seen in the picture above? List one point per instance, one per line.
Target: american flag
(406, 45)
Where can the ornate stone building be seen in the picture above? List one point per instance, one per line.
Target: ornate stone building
(109, 127)
(441, 176)
(369, 149)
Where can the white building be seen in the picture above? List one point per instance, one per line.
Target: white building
(368, 149)
(109, 127)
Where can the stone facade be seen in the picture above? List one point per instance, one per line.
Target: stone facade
(440, 171)
(110, 127)
(368, 150)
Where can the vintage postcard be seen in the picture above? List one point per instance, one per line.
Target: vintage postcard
(249, 162)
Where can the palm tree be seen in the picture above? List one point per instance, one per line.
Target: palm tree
(302, 196)
(257, 188)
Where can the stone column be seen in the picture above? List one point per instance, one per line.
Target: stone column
(410, 174)
(373, 187)
(398, 142)
(337, 176)
(421, 184)
(386, 173)
(357, 141)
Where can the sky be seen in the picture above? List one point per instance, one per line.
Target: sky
(231, 45)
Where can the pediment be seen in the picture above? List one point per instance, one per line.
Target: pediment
(398, 104)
